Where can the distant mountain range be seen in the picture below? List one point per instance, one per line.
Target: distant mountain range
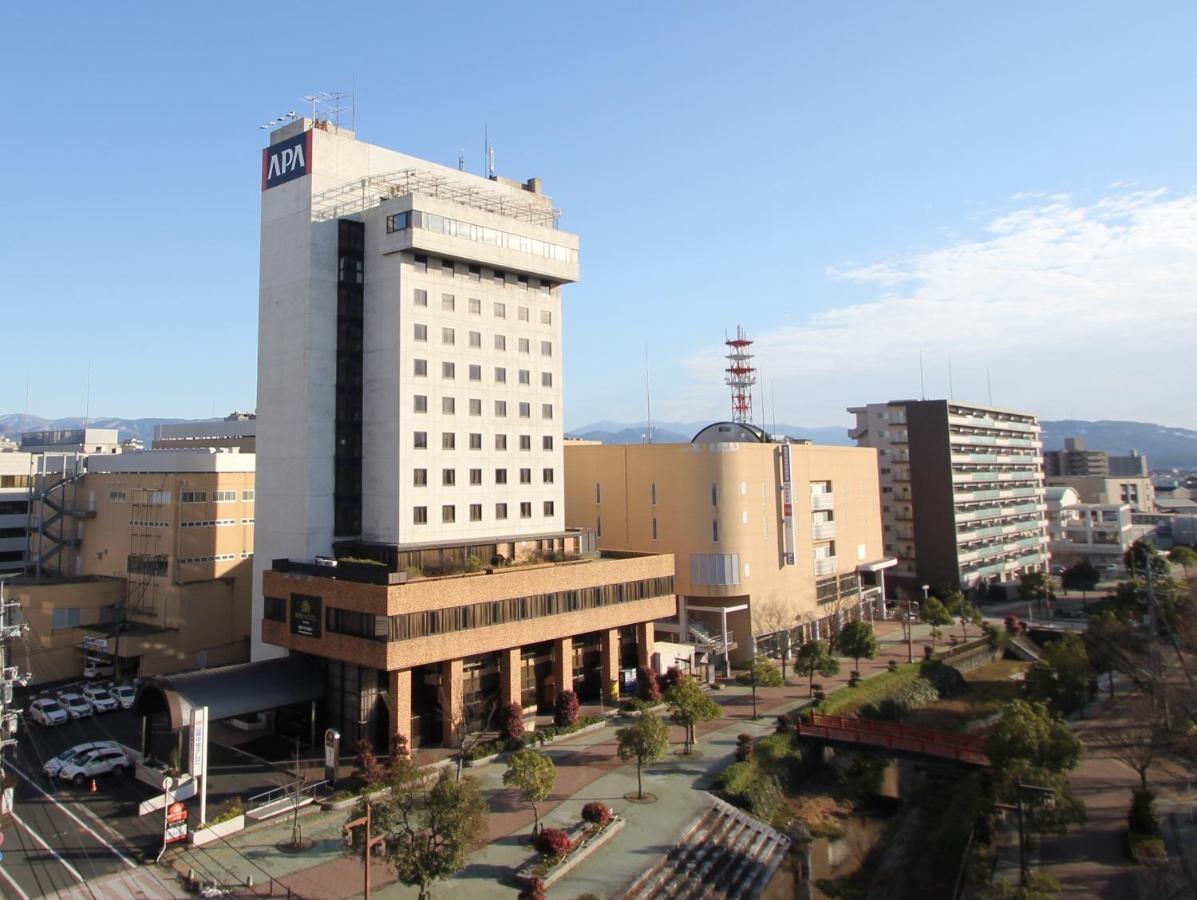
(1164, 447)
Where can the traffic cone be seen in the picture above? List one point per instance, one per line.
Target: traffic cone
(93, 786)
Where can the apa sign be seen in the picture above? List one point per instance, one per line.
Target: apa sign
(287, 160)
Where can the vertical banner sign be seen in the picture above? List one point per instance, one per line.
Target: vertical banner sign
(787, 506)
(176, 823)
(199, 756)
(332, 753)
(287, 160)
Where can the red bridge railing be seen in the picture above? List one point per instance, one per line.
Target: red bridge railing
(895, 736)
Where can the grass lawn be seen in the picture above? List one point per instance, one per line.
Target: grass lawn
(987, 690)
(846, 701)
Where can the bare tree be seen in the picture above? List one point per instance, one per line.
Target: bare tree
(774, 617)
(1136, 738)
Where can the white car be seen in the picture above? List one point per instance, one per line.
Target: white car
(47, 711)
(100, 699)
(56, 764)
(93, 763)
(94, 667)
(75, 705)
(124, 695)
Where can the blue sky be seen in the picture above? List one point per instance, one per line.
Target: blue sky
(1008, 186)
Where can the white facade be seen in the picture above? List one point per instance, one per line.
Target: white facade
(14, 511)
(461, 418)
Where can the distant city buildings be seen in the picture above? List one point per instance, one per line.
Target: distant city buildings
(1074, 459)
(962, 491)
(72, 440)
(236, 432)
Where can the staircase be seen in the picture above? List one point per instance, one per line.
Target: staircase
(724, 854)
(699, 634)
(1025, 649)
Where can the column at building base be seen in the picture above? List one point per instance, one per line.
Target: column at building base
(645, 643)
(563, 666)
(399, 694)
(451, 700)
(609, 644)
(510, 686)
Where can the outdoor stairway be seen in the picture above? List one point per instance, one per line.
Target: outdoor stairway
(724, 854)
(1025, 648)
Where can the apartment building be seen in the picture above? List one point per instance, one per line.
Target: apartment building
(770, 538)
(72, 440)
(962, 493)
(15, 470)
(157, 566)
(1108, 490)
(409, 431)
(1099, 533)
(1075, 459)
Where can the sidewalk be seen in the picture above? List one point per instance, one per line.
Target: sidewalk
(587, 769)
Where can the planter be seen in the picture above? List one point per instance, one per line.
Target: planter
(586, 729)
(526, 873)
(211, 833)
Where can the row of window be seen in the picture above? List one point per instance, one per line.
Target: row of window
(221, 557)
(449, 512)
(449, 441)
(149, 523)
(449, 477)
(449, 339)
(202, 496)
(652, 494)
(474, 307)
(449, 407)
(474, 373)
(480, 234)
(207, 523)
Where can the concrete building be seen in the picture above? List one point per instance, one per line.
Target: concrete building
(235, 432)
(962, 494)
(159, 568)
(1135, 492)
(72, 440)
(409, 428)
(769, 537)
(14, 511)
(1099, 533)
(1074, 459)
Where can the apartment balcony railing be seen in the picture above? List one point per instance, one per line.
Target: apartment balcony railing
(822, 501)
(988, 422)
(825, 565)
(823, 531)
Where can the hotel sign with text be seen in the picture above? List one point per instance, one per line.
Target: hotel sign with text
(287, 160)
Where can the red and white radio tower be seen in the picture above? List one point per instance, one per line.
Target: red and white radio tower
(741, 375)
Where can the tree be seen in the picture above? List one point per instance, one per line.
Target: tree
(774, 618)
(858, 641)
(969, 615)
(935, 614)
(369, 769)
(1082, 576)
(1027, 730)
(689, 704)
(1113, 646)
(533, 775)
(1185, 557)
(814, 658)
(1062, 678)
(760, 672)
(429, 825)
(1035, 587)
(1136, 738)
(565, 709)
(646, 741)
(475, 720)
(1141, 554)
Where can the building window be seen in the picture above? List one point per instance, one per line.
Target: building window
(546, 348)
(448, 370)
(525, 476)
(714, 494)
(476, 339)
(420, 403)
(448, 406)
(65, 617)
(421, 262)
(598, 493)
(421, 297)
(524, 313)
(500, 342)
(118, 496)
(546, 410)
(500, 308)
(501, 408)
(447, 267)
(546, 379)
(546, 317)
(420, 440)
(447, 336)
(475, 512)
(546, 442)
(500, 510)
(224, 496)
(448, 302)
(598, 526)
(652, 493)
(500, 476)
(475, 476)
(475, 373)
(448, 477)
(274, 609)
(500, 442)
(448, 514)
(420, 368)
(448, 440)
(500, 277)
(525, 510)
(419, 331)
(398, 222)
(525, 442)
(419, 477)
(525, 346)
(419, 515)
(546, 476)
(500, 375)
(475, 440)
(194, 496)
(475, 305)
(525, 410)
(475, 407)
(654, 529)
(475, 273)
(548, 507)
(715, 530)
(525, 377)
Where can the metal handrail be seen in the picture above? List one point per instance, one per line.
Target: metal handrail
(286, 790)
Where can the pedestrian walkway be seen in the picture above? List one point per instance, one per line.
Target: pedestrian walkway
(587, 769)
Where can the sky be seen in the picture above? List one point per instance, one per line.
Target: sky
(1004, 190)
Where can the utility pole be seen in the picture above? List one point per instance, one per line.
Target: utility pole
(370, 843)
(9, 677)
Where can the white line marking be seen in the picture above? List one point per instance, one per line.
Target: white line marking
(41, 840)
(128, 862)
(16, 887)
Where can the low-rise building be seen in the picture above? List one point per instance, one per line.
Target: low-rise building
(1134, 491)
(1075, 459)
(72, 440)
(236, 431)
(1099, 533)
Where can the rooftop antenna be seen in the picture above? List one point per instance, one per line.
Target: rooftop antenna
(773, 399)
(989, 385)
(740, 375)
(353, 101)
(922, 380)
(648, 395)
(951, 390)
(461, 160)
(87, 397)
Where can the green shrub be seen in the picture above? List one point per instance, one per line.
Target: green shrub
(905, 697)
(947, 681)
(1142, 818)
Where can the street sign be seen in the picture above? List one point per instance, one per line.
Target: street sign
(176, 823)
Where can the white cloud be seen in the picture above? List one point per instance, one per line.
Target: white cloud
(1077, 309)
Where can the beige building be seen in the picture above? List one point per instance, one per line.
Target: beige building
(1111, 490)
(161, 543)
(770, 538)
(14, 510)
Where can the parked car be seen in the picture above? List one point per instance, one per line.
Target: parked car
(94, 763)
(47, 711)
(56, 764)
(94, 667)
(124, 694)
(75, 705)
(100, 699)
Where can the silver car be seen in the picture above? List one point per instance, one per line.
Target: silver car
(75, 705)
(58, 763)
(100, 699)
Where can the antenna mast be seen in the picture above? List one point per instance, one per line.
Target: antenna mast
(648, 395)
(740, 375)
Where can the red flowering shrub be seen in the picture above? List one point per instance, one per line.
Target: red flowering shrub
(648, 685)
(534, 890)
(513, 722)
(596, 812)
(551, 842)
(672, 676)
(565, 709)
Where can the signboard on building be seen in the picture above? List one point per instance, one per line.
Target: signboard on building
(176, 823)
(287, 160)
(787, 506)
(305, 615)
(95, 643)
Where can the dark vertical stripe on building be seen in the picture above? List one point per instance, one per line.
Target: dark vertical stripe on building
(347, 460)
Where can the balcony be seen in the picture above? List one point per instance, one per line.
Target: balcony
(823, 531)
(826, 565)
(822, 501)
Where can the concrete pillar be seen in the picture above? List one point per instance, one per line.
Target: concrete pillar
(609, 644)
(399, 694)
(451, 699)
(563, 666)
(645, 640)
(509, 676)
